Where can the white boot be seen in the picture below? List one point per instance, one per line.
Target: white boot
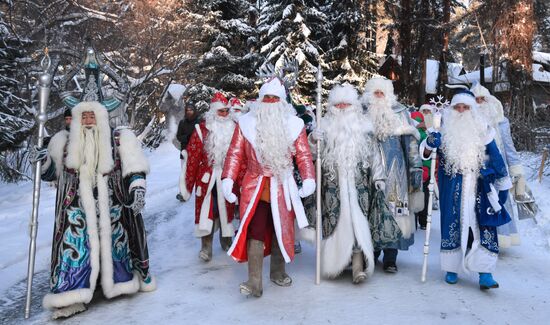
(68, 311)
(357, 268)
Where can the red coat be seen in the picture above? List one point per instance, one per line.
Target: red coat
(285, 207)
(200, 175)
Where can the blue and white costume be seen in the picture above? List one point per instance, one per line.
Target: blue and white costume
(492, 109)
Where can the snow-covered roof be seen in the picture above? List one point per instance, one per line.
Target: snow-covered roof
(540, 73)
(432, 74)
(541, 57)
(473, 77)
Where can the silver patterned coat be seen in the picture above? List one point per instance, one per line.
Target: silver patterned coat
(403, 167)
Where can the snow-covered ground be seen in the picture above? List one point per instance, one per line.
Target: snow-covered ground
(192, 292)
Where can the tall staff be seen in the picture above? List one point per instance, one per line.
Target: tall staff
(44, 82)
(318, 181)
(433, 156)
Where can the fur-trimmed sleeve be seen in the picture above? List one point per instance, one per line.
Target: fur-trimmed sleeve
(132, 158)
(53, 166)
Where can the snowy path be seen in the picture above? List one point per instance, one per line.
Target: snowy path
(191, 292)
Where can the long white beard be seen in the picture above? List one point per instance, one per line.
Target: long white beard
(429, 121)
(89, 137)
(383, 118)
(463, 142)
(236, 115)
(347, 139)
(273, 143)
(219, 138)
(490, 113)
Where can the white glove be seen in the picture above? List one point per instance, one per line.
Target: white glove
(318, 134)
(227, 188)
(308, 187)
(380, 185)
(520, 186)
(139, 199)
(493, 199)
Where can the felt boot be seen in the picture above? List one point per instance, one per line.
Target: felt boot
(253, 286)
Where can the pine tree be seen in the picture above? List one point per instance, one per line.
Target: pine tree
(542, 14)
(350, 53)
(227, 54)
(16, 124)
(287, 29)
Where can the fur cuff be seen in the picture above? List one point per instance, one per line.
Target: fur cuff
(516, 171)
(140, 182)
(308, 234)
(416, 201)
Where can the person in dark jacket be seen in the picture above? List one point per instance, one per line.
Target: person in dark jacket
(185, 129)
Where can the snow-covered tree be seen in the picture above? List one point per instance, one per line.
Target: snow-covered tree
(232, 55)
(350, 54)
(16, 123)
(287, 29)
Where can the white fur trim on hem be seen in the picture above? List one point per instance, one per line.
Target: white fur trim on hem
(480, 260)
(277, 225)
(246, 215)
(227, 228)
(67, 298)
(297, 204)
(352, 226)
(204, 227)
(110, 288)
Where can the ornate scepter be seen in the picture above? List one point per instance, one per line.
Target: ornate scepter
(438, 106)
(318, 181)
(44, 82)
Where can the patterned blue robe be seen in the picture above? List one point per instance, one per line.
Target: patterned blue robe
(111, 249)
(458, 193)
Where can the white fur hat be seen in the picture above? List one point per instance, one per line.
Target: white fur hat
(345, 93)
(464, 97)
(273, 87)
(378, 83)
(74, 159)
(479, 91)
